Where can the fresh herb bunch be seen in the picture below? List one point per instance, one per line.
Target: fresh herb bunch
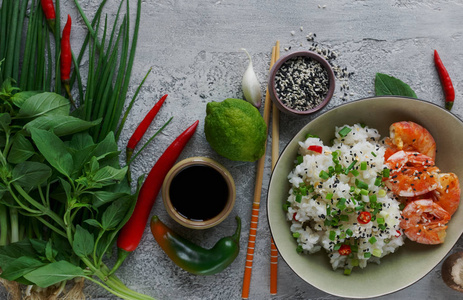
(63, 195)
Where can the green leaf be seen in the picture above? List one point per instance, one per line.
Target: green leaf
(49, 253)
(54, 150)
(19, 98)
(16, 250)
(5, 121)
(44, 104)
(80, 141)
(114, 214)
(389, 85)
(106, 146)
(83, 242)
(103, 197)
(30, 174)
(60, 125)
(53, 273)
(21, 149)
(109, 175)
(21, 266)
(94, 223)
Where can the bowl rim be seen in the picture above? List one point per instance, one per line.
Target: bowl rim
(281, 61)
(204, 161)
(268, 208)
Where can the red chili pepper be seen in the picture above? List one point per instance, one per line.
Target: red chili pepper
(315, 148)
(49, 12)
(364, 217)
(66, 55)
(131, 234)
(445, 80)
(344, 250)
(398, 234)
(66, 58)
(141, 129)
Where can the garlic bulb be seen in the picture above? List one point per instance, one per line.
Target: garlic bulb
(250, 85)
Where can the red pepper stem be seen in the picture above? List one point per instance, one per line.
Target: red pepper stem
(121, 256)
(67, 87)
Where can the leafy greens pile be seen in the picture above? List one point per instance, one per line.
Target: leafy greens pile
(63, 195)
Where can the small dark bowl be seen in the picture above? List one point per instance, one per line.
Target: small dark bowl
(272, 89)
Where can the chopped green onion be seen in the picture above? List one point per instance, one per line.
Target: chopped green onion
(352, 189)
(354, 262)
(327, 222)
(329, 196)
(350, 167)
(331, 170)
(299, 249)
(337, 247)
(387, 241)
(334, 221)
(382, 226)
(355, 172)
(349, 232)
(386, 173)
(324, 175)
(310, 136)
(373, 198)
(296, 235)
(343, 132)
(298, 198)
(363, 165)
(372, 153)
(364, 192)
(344, 218)
(354, 248)
(311, 189)
(360, 184)
(332, 235)
(299, 159)
(382, 193)
(367, 255)
(347, 271)
(372, 240)
(338, 169)
(286, 205)
(378, 181)
(377, 252)
(328, 210)
(349, 210)
(380, 220)
(342, 235)
(303, 190)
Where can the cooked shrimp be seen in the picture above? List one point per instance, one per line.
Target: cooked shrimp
(409, 136)
(412, 174)
(447, 194)
(424, 221)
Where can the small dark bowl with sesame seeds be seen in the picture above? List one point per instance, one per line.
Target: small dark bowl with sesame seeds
(301, 83)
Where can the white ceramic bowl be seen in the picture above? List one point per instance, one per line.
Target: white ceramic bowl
(412, 261)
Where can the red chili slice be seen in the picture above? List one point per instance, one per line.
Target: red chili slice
(315, 148)
(345, 250)
(364, 217)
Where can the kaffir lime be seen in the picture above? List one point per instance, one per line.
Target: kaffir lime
(235, 129)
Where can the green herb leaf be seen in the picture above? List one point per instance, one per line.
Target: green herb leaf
(21, 149)
(20, 267)
(60, 125)
(114, 214)
(44, 104)
(30, 174)
(389, 85)
(83, 242)
(103, 197)
(54, 150)
(19, 98)
(94, 223)
(53, 273)
(109, 175)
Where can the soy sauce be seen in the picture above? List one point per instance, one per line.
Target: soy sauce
(198, 192)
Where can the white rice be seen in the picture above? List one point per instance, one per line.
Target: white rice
(309, 217)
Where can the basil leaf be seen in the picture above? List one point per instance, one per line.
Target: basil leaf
(93, 222)
(20, 267)
(61, 125)
(103, 197)
(83, 242)
(114, 214)
(53, 273)
(44, 104)
(19, 98)
(30, 174)
(21, 149)
(16, 250)
(54, 150)
(389, 85)
(109, 175)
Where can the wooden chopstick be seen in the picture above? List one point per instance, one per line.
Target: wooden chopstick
(256, 203)
(275, 155)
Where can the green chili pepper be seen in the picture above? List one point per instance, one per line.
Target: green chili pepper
(193, 258)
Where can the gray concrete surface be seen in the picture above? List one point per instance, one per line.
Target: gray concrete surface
(193, 48)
